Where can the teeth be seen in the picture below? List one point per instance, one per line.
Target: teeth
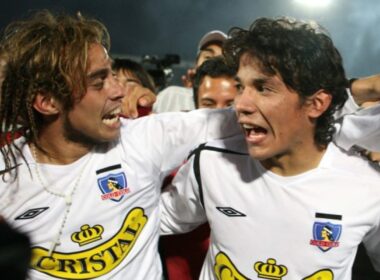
(116, 111)
(112, 117)
(111, 121)
(248, 126)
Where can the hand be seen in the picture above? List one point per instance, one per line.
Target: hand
(137, 96)
(187, 80)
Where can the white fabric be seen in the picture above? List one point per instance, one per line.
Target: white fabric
(349, 107)
(358, 127)
(174, 99)
(149, 148)
(277, 214)
(355, 126)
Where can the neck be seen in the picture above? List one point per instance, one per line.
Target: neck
(56, 149)
(294, 163)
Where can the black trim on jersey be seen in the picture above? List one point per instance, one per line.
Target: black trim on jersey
(328, 216)
(108, 168)
(196, 166)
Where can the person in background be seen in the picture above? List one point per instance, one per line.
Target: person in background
(214, 87)
(176, 98)
(214, 84)
(137, 82)
(270, 194)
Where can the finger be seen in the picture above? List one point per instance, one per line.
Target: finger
(147, 99)
(129, 106)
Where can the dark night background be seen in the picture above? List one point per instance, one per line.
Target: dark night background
(159, 27)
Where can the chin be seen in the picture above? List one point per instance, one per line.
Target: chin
(109, 137)
(259, 154)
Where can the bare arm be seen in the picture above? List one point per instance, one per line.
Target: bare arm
(366, 89)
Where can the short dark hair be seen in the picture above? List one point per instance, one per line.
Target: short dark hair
(302, 53)
(214, 67)
(125, 64)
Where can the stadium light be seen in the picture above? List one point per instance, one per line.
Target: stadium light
(314, 3)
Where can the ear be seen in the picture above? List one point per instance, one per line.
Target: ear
(45, 104)
(318, 103)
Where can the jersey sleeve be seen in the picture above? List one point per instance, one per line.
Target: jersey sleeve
(167, 139)
(360, 128)
(350, 106)
(180, 204)
(372, 245)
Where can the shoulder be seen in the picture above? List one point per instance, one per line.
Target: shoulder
(350, 163)
(174, 98)
(234, 145)
(174, 91)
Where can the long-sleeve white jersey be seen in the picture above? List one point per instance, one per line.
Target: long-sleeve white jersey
(112, 225)
(265, 226)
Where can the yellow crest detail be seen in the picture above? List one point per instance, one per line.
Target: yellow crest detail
(325, 274)
(87, 234)
(225, 270)
(270, 270)
(94, 262)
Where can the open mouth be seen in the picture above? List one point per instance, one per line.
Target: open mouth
(254, 133)
(112, 117)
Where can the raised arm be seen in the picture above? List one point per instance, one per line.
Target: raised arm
(366, 89)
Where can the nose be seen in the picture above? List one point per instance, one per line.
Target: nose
(116, 90)
(244, 102)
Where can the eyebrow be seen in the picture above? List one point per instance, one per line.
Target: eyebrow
(133, 80)
(97, 74)
(260, 81)
(100, 72)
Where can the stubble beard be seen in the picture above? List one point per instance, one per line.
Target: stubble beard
(75, 135)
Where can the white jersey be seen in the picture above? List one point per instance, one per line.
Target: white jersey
(359, 127)
(174, 99)
(265, 226)
(110, 231)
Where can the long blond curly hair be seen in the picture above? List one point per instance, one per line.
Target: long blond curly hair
(44, 54)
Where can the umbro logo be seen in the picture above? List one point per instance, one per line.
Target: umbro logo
(31, 213)
(230, 212)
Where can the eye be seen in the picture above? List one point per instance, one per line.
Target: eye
(261, 87)
(206, 103)
(239, 87)
(230, 103)
(98, 85)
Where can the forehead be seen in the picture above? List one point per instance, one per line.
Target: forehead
(248, 64)
(124, 73)
(97, 58)
(221, 81)
(218, 86)
(251, 64)
(212, 47)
